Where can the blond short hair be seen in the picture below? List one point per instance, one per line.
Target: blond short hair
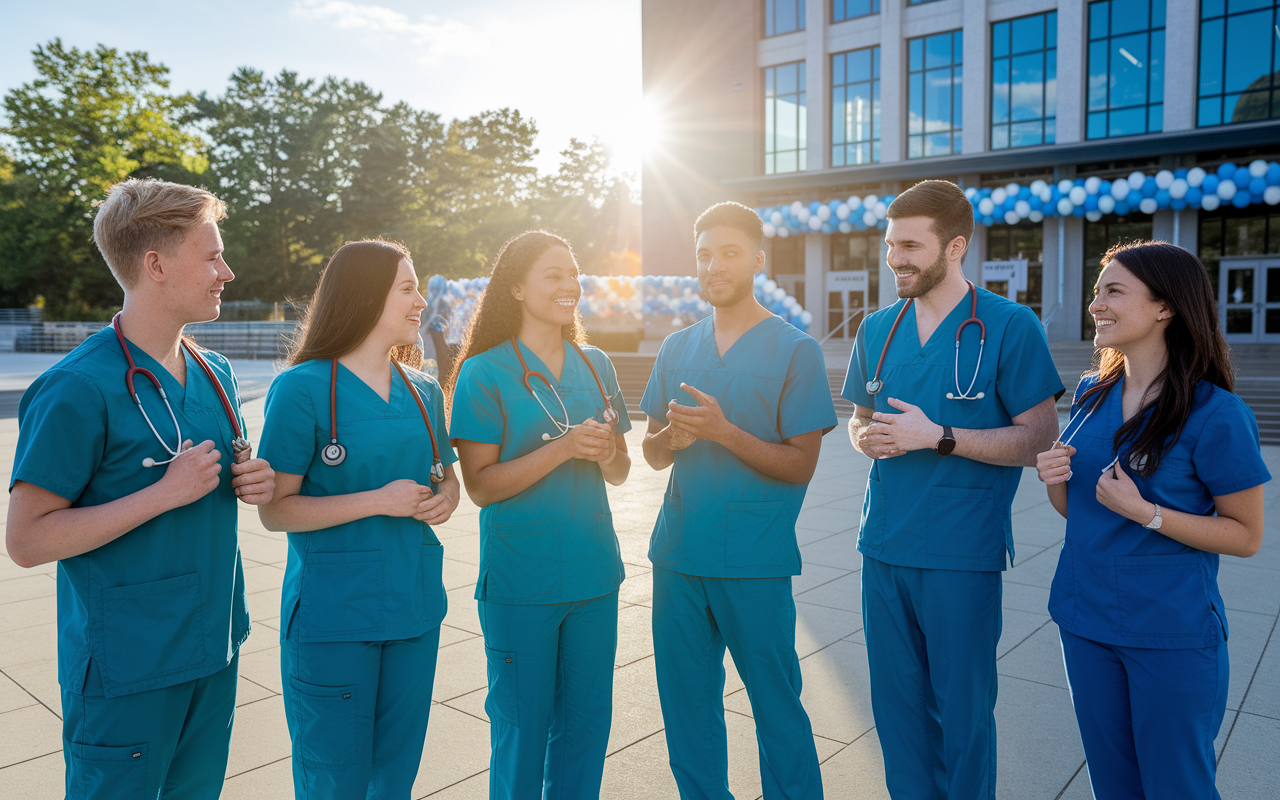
(141, 215)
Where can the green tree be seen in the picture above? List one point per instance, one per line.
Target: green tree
(592, 206)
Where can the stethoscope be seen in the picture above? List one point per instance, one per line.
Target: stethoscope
(238, 444)
(610, 415)
(875, 384)
(334, 454)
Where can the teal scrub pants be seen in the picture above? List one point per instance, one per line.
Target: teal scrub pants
(357, 714)
(171, 743)
(550, 701)
(694, 619)
(1148, 717)
(931, 646)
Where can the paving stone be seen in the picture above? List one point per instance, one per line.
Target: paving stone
(1023, 597)
(259, 737)
(28, 613)
(263, 668)
(1034, 568)
(38, 643)
(1038, 659)
(460, 668)
(39, 679)
(857, 771)
(268, 782)
(474, 788)
(261, 577)
(635, 634)
(1248, 640)
(260, 638)
(1018, 625)
(471, 703)
(819, 626)
(1247, 768)
(814, 575)
(27, 587)
(640, 771)
(1264, 689)
(264, 604)
(463, 613)
(249, 692)
(844, 593)
(637, 712)
(465, 548)
(822, 518)
(13, 696)
(37, 779)
(1079, 788)
(839, 551)
(819, 499)
(450, 635)
(1037, 741)
(1247, 588)
(28, 732)
(457, 747)
(637, 588)
(1033, 529)
(1220, 741)
(260, 549)
(458, 574)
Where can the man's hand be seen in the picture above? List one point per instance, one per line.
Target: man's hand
(910, 430)
(706, 421)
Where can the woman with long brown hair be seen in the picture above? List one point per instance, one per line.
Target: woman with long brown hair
(1171, 476)
(538, 421)
(365, 471)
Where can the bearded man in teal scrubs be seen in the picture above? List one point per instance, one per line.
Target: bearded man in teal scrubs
(738, 403)
(151, 599)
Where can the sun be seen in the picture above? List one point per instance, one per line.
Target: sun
(638, 134)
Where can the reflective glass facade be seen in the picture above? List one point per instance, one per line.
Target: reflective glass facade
(783, 16)
(851, 9)
(1024, 80)
(855, 107)
(1239, 79)
(1126, 68)
(934, 91)
(785, 126)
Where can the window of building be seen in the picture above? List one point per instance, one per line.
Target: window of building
(1022, 241)
(785, 123)
(851, 9)
(1024, 80)
(934, 110)
(855, 107)
(1126, 68)
(1099, 237)
(783, 16)
(1239, 61)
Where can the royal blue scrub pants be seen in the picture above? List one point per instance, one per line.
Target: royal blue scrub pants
(694, 619)
(931, 646)
(550, 701)
(357, 714)
(171, 743)
(1147, 718)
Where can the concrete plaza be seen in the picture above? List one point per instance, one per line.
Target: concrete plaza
(1040, 752)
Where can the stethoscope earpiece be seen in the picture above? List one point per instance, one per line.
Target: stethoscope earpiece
(148, 462)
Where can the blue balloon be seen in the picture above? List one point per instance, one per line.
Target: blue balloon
(858, 224)
(814, 206)
(1257, 185)
(1163, 199)
(1024, 192)
(1210, 185)
(1178, 204)
(881, 225)
(1273, 174)
(1241, 176)
(1180, 173)
(1122, 208)
(827, 229)
(1149, 187)
(988, 221)
(1079, 182)
(1035, 203)
(1077, 211)
(1194, 195)
(1091, 203)
(1104, 188)
(1226, 171)
(1134, 199)
(1241, 200)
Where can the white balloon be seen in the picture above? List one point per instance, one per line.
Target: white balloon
(1036, 216)
(824, 213)
(1148, 205)
(1065, 207)
(1093, 216)
(1046, 193)
(1077, 195)
(769, 285)
(842, 211)
(1120, 189)
(1022, 208)
(869, 219)
(1178, 189)
(845, 227)
(1106, 204)
(1064, 186)
(1093, 184)
(1011, 189)
(870, 200)
(881, 209)
(806, 318)
(777, 219)
(803, 216)
(1038, 186)
(1210, 202)
(999, 195)
(1011, 217)
(796, 208)
(1196, 176)
(1257, 168)
(1164, 179)
(986, 206)
(1136, 179)
(769, 230)
(783, 233)
(854, 203)
(1271, 195)
(815, 223)
(1227, 190)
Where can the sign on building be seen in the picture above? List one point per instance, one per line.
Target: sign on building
(1012, 273)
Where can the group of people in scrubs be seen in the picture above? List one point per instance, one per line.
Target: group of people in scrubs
(356, 464)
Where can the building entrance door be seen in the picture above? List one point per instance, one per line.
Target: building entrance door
(846, 302)
(1249, 298)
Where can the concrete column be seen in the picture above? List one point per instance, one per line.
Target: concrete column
(893, 91)
(1181, 46)
(977, 251)
(977, 76)
(1162, 225)
(1074, 284)
(1073, 70)
(817, 256)
(817, 86)
(888, 290)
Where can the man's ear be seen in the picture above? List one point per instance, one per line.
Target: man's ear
(153, 266)
(759, 261)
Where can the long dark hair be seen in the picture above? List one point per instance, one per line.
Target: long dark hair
(348, 301)
(1196, 349)
(501, 314)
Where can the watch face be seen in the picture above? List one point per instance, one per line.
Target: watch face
(944, 447)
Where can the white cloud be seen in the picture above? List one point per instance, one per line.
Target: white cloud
(439, 38)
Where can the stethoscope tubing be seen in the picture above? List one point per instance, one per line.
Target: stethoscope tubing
(875, 385)
(610, 414)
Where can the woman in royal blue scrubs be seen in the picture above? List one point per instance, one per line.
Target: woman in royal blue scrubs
(538, 421)
(365, 473)
(1169, 476)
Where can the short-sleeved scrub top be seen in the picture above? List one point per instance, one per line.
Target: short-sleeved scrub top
(721, 518)
(1117, 582)
(377, 578)
(948, 512)
(554, 542)
(164, 603)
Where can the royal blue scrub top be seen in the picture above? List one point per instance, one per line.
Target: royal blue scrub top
(721, 518)
(554, 542)
(1117, 582)
(377, 578)
(948, 512)
(164, 603)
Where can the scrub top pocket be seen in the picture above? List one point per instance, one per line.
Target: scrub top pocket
(523, 561)
(325, 724)
(751, 537)
(150, 630)
(1163, 596)
(342, 593)
(107, 773)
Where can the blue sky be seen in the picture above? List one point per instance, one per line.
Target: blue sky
(572, 65)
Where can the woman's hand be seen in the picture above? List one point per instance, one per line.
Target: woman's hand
(1053, 466)
(192, 475)
(403, 498)
(605, 455)
(437, 509)
(591, 440)
(1118, 492)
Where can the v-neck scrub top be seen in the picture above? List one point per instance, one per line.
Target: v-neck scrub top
(948, 512)
(554, 542)
(164, 603)
(1117, 582)
(721, 518)
(377, 578)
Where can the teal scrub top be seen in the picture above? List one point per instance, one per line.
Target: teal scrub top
(1121, 584)
(720, 517)
(378, 578)
(164, 603)
(554, 542)
(948, 512)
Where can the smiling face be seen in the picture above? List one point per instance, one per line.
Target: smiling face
(194, 273)
(918, 259)
(727, 264)
(1124, 312)
(402, 312)
(550, 290)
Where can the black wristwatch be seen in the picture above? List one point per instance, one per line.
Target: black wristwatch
(947, 443)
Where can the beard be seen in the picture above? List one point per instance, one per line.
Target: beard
(927, 278)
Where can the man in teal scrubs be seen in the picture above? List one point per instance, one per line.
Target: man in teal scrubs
(151, 598)
(739, 403)
(936, 519)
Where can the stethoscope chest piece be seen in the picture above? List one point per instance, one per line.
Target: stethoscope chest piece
(437, 472)
(874, 386)
(333, 454)
(610, 416)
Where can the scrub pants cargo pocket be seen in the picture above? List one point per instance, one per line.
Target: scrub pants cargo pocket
(324, 724)
(503, 701)
(106, 773)
(150, 630)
